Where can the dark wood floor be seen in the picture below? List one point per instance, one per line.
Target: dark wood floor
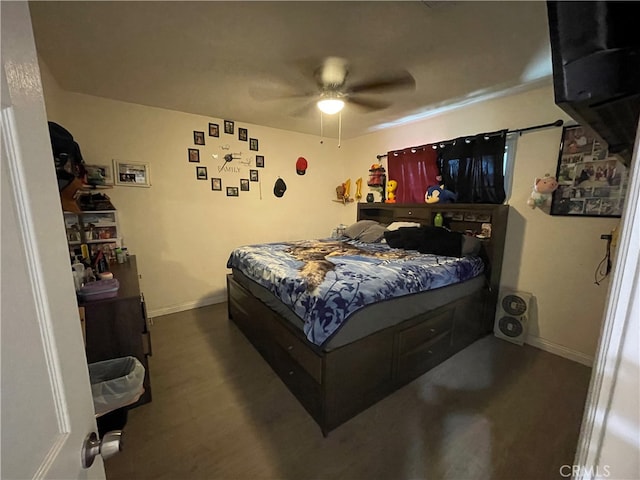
(494, 410)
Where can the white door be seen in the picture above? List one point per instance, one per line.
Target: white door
(47, 408)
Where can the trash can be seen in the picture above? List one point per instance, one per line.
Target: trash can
(115, 384)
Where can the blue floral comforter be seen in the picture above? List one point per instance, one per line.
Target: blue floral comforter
(325, 281)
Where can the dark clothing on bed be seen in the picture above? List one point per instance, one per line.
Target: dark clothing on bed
(435, 240)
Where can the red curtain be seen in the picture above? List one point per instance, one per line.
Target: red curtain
(415, 169)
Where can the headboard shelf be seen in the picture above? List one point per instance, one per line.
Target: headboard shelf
(455, 214)
(459, 217)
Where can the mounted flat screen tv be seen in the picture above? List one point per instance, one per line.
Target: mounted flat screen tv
(595, 50)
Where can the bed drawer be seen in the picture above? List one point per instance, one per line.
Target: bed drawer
(424, 357)
(417, 335)
(247, 311)
(301, 384)
(263, 330)
(297, 349)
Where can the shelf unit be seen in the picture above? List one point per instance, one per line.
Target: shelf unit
(98, 229)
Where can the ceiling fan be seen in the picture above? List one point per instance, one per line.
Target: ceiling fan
(333, 90)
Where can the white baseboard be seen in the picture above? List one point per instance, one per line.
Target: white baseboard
(203, 302)
(559, 350)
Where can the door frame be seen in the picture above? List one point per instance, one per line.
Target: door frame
(622, 300)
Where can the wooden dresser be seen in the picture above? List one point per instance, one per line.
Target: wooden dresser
(117, 327)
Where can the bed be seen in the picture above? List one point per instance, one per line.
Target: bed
(339, 354)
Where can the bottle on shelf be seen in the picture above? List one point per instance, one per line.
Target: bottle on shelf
(438, 220)
(84, 248)
(100, 263)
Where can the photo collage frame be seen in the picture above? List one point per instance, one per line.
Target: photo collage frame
(590, 181)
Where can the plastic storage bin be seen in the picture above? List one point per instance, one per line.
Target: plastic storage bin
(115, 383)
(99, 290)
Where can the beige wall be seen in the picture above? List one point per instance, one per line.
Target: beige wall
(552, 257)
(54, 95)
(183, 232)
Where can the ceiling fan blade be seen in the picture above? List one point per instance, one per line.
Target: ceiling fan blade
(332, 73)
(396, 81)
(368, 104)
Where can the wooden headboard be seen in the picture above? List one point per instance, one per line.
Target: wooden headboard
(459, 217)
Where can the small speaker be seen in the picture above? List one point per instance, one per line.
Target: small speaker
(512, 316)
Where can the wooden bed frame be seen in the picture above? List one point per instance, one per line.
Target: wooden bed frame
(335, 386)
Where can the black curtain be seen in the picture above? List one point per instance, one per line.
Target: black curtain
(472, 167)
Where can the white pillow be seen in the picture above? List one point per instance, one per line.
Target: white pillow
(397, 225)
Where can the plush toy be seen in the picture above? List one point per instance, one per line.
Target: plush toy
(542, 190)
(439, 194)
(343, 192)
(391, 189)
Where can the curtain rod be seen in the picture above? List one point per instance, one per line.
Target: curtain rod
(519, 131)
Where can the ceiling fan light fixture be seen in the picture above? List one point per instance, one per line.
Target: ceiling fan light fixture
(330, 106)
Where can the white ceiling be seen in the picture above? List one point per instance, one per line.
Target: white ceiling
(208, 58)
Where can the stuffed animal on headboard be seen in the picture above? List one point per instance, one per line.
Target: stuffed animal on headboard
(543, 188)
(439, 194)
(392, 185)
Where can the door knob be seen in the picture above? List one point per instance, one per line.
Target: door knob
(108, 446)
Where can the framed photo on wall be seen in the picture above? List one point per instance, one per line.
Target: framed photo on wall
(216, 184)
(253, 175)
(194, 155)
(131, 174)
(260, 161)
(253, 144)
(244, 184)
(99, 174)
(243, 134)
(591, 183)
(232, 192)
(228, 127)
(201, 173)
(198, 138)
(214, 130)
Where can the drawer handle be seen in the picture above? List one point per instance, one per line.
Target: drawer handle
(290, 347)
(410, 212)
(290, 372)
